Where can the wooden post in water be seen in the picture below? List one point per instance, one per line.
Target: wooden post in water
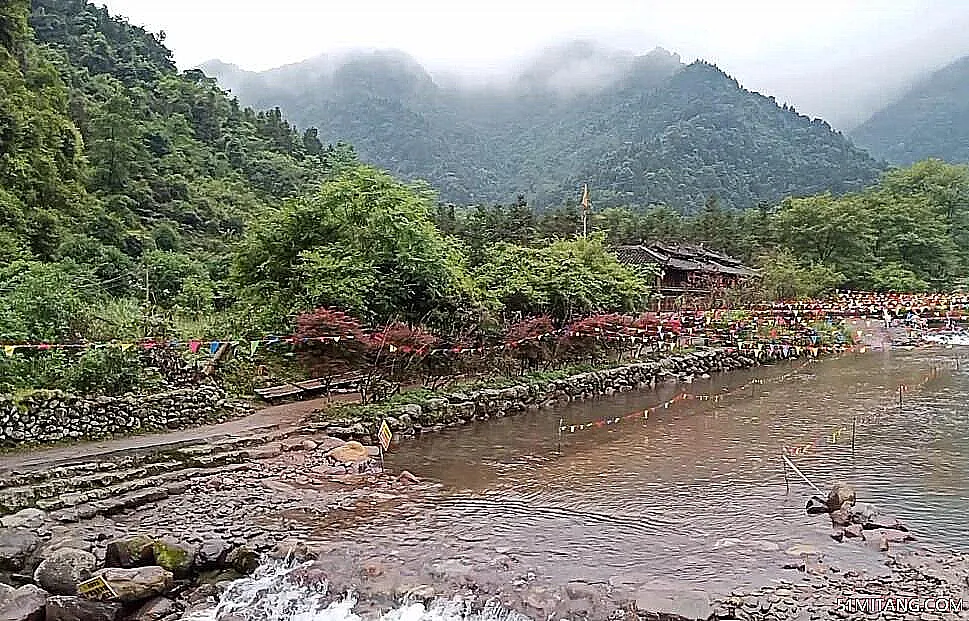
(559, 431)
(853, 420)
(900, 399)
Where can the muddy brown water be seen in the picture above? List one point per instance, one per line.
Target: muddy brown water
(696, 493)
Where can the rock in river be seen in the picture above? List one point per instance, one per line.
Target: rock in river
(816, 506)
(680, 604)
(25, 604)
(64, 569)
(155, 609)
(64, 608)
(840, 494)
(132, 551)
(351, 452)
(16, 547)
(173, 555)
(137, 583)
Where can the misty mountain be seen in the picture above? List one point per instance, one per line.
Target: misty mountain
(640, 130)
(929, 120)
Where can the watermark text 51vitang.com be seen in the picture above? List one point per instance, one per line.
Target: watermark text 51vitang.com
(876, 604)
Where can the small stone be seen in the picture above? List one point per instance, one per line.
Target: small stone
(211, 554)
(243, 560)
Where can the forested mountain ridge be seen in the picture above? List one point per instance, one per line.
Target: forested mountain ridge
(159, 161)
(930, 120)
(642, 130)
(114, 167)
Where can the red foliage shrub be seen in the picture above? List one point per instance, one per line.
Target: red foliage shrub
(329, 342)
(530, 340)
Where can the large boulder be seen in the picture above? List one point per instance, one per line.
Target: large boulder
(348, 453)
(173, 555)
(840, 494)
(24, 604)
(66, 608)
(132, 551)
(137, 583)
(17, 546)
(64, 569)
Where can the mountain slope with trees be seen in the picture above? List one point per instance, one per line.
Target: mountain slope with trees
(642, 130)
(930, 120)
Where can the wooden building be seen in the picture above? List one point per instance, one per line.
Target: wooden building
(691, 276)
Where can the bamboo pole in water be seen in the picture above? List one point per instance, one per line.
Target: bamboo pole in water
(787, 482)
(801, 474)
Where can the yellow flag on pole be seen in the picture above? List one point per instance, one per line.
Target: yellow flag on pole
(585, 197)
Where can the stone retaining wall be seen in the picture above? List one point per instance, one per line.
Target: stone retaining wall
(461, 408)
(53, 416)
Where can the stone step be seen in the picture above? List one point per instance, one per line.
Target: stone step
(162, 453)
(55, 494)
(30, 494)
(130, 495)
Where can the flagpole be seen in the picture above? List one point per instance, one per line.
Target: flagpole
(585, 210)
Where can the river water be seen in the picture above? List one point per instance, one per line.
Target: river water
(695, 495)
(696, 491)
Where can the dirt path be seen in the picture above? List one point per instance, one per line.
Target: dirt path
(287, 415)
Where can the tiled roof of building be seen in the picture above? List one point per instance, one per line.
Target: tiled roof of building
(685, 257)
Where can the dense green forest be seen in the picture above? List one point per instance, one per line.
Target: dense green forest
(930, 120)
(644, 131)
(139, 202)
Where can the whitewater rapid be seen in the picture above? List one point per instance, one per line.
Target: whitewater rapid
(274, 593)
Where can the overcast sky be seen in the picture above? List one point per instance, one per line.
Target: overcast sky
(794, 50)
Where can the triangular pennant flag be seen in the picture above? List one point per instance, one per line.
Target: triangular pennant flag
(253, 346)
(9, 349)
(193, 346)
(214, 347)
(125, 346)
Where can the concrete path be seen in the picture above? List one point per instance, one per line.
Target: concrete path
(288, 415)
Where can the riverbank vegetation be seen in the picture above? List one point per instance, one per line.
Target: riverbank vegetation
(138, 202)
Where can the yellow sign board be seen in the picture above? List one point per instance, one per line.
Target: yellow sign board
(96, 588)
(385, 435)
